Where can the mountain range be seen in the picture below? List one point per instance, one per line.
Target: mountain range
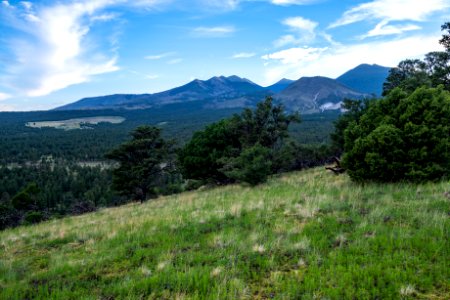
(307, 94)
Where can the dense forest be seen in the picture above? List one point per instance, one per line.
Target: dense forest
(69, 168)
(20, 144)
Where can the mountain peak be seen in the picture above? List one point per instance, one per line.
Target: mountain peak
(280, 85)
(365, 78)
(234, 77)
(285, 81)
(314, 94)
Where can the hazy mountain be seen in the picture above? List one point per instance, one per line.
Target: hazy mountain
(314, 94)
(365, 78)
(231, 91)
(280, 85)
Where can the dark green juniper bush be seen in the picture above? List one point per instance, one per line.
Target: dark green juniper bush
(406, 134)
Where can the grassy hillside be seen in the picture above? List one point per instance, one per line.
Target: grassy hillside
(308, 235)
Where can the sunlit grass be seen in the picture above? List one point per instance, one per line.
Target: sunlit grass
(308, 235)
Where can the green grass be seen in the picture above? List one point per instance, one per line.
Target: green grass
(305, 235)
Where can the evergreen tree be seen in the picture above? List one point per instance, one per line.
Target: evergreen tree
(445, 40)
(433, 71)
(203, 156)
(143, 162)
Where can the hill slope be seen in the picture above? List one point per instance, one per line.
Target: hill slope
(365, 78)
(314, 94)
(303, 235)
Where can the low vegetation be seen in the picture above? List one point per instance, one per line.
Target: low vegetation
(303, 235)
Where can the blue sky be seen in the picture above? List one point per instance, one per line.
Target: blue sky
(56, 52)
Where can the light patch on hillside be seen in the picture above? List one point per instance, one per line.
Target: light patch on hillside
(80, 123)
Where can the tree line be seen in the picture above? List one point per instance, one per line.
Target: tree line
(50, 189)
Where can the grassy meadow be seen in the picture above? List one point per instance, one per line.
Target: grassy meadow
(304, 235)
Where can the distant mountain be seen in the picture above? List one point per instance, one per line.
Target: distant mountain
(308, 94)
(223, 92)
(280, 85)
(365, 78)
(314, 94)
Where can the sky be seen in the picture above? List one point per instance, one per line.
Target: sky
(56, 52)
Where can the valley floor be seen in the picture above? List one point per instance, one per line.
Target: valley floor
(308, 235)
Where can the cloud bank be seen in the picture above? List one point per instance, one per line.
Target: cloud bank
(53, 47)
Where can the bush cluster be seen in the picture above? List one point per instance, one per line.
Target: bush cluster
(404, 136)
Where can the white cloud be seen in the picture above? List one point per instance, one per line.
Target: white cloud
(104, 17)
(4, 96)
(331, 106)
(285, 40)
(295, 55)
(327, 37)
(388, 11)
(58, 49)
(303, 31)
(227, 5)
(219, 31)
(332, 62)
(301, 24)
(392, 10)
(243, 55)
(26, 4)
(159, 56)
(383, 28)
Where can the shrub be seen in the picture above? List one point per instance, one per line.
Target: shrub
(33, 217)
(405, 136)
(252, 166)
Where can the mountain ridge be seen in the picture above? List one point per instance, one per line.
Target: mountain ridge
(219, 88)
(307, 94)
